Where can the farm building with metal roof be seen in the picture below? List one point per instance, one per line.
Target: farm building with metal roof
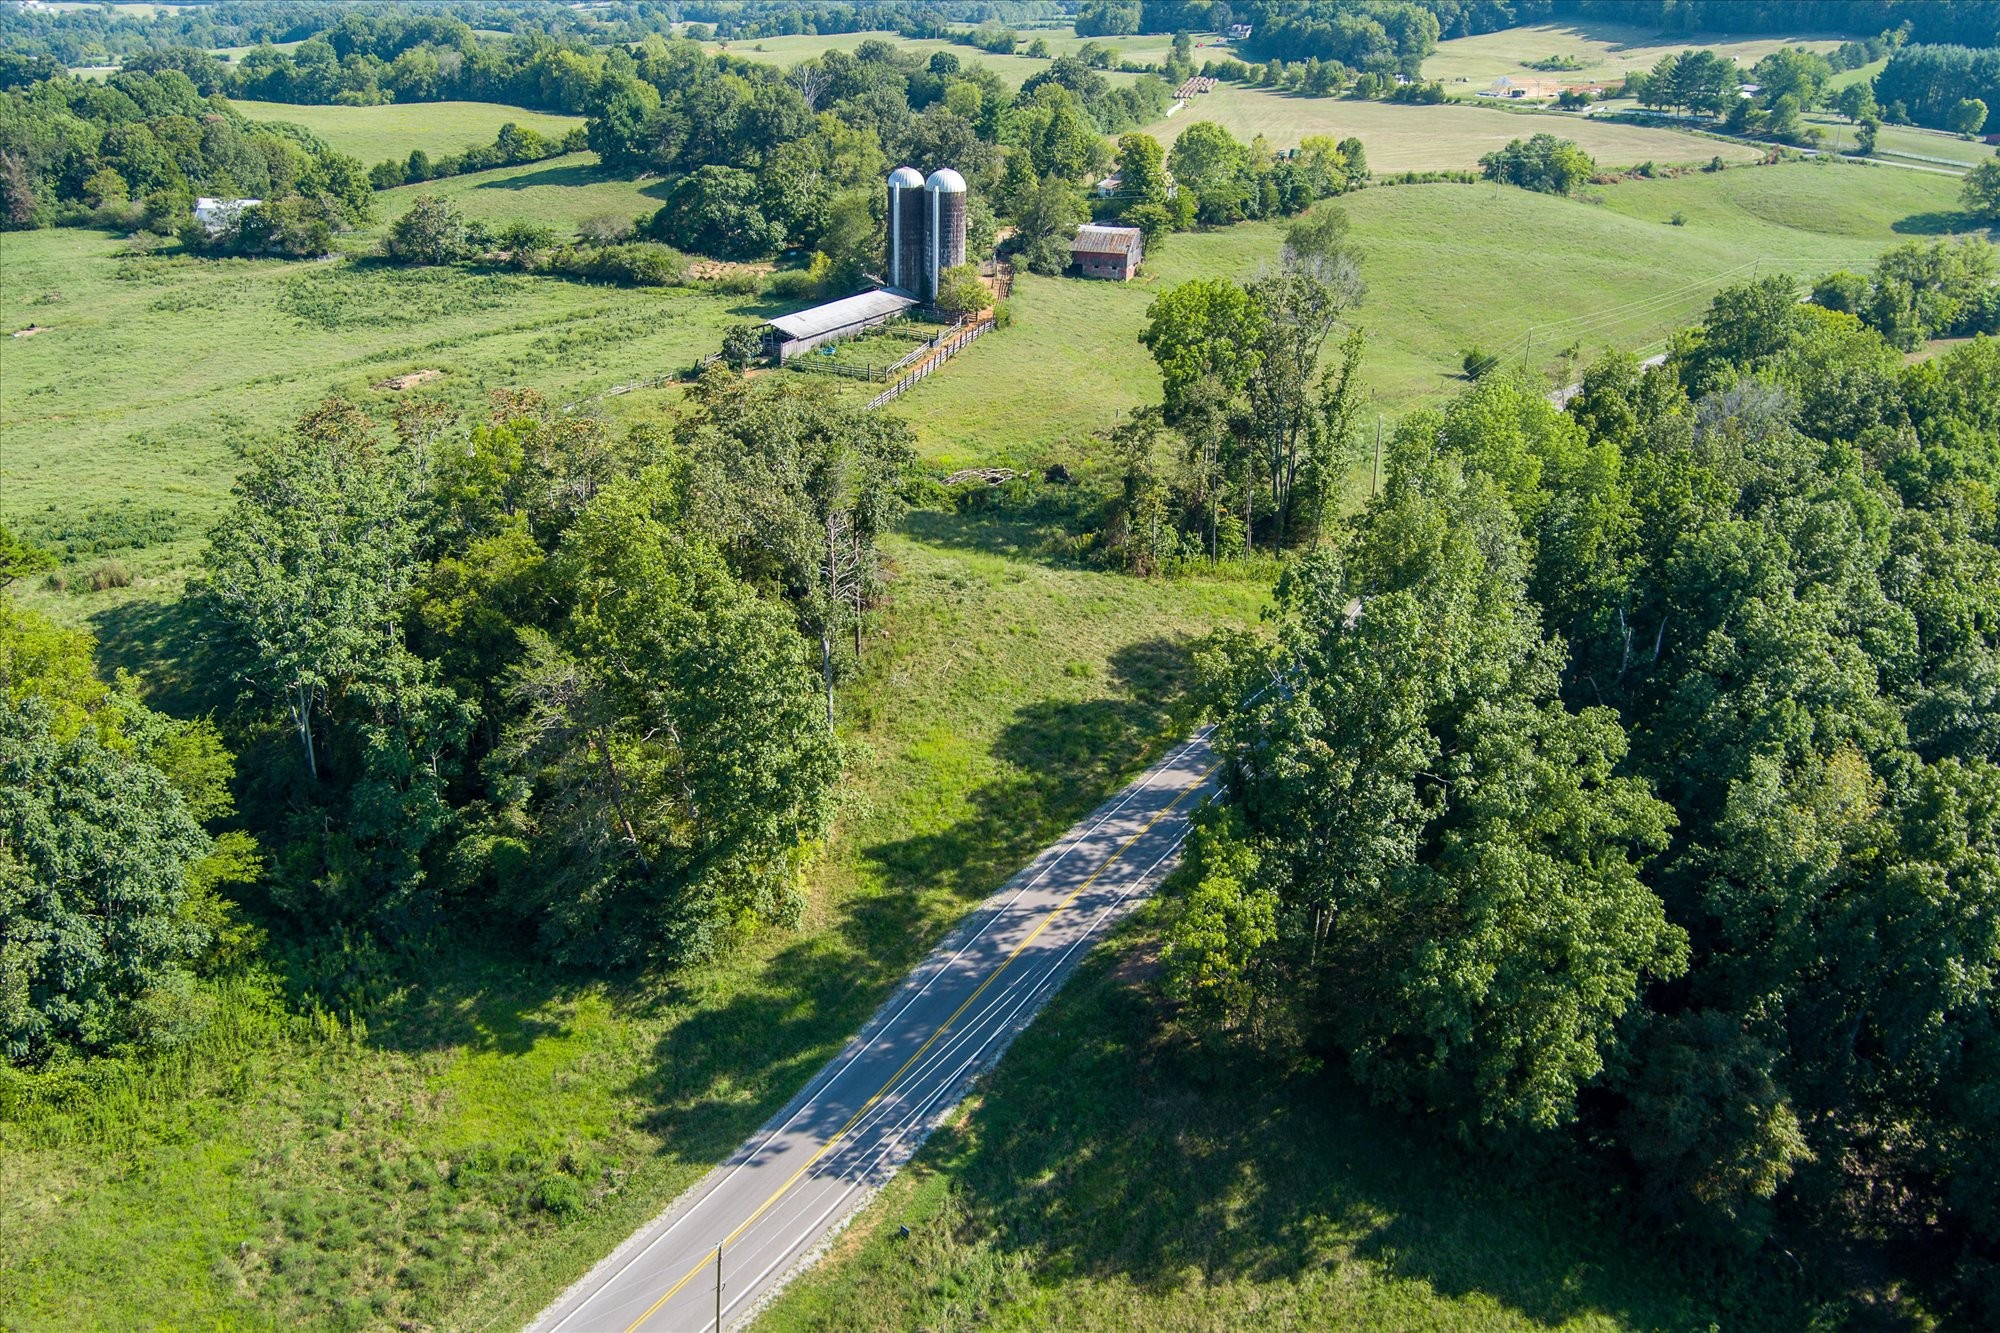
(789, 335)
(1108, 252)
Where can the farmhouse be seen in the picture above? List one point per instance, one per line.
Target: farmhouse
(789, 335)
(1107, 252)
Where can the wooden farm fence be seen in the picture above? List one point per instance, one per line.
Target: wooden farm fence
(941, 353)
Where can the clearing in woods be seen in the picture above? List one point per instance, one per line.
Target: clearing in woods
(373, 133)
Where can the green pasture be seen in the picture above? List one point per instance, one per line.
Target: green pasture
(1908, 142)
(1431, 138)
(401, 1173)
(1014, 70)
(157, 372)
(1606, 51)
(1447, 266)
(373, 133)
(560, 192)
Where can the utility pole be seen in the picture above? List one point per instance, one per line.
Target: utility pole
(1376, 486)
(718, 1289)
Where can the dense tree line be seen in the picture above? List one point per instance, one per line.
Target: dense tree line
(1918, 292)
(1932, 81)
(1635, 769)
(114, 853)
(1969, 21)
(1378, 36)
(546, 673)
(139, 146)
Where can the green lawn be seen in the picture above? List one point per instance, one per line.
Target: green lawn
(284, 1176)
(373, 133)
(1606, 51)
(1431, 138)
(1447, 265)
(1108, 1177)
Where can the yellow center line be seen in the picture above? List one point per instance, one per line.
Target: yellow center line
(896, 1077)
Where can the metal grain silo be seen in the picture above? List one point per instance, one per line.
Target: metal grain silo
(908, 253)
(945, 193)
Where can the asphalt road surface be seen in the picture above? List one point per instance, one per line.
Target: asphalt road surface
(783, 1193)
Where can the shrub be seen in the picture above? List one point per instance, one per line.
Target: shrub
(740, 282)
(109, 574)
(432, 232)
(1478, 362)
(792, 284)
(1678, 220)
(742, 344)
(639, 264)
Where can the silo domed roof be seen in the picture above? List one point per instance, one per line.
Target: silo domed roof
(905, 177)
(946, 181)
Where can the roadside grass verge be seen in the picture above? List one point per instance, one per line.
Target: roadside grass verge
(373, 133)
(468, 1144)
(1108, 1175)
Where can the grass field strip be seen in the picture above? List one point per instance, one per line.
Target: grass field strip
(897, 1077)
(916, 1116)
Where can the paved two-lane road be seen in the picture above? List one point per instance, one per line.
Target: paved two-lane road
(777, 1199)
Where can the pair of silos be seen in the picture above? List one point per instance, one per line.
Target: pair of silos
(926, 228)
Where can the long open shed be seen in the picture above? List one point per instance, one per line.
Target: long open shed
(803, 330)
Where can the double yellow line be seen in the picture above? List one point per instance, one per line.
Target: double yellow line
(896, 1077)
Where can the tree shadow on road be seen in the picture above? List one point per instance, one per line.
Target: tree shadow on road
(724, 1070)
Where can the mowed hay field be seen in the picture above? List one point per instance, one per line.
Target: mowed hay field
(1606, 51)
(1432, 138)
(373, 133)
(1447, 266)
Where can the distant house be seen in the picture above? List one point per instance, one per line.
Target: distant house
(1525, 89)
(788, 335)
(215, 215)
(1108, 252)
(1109, 186)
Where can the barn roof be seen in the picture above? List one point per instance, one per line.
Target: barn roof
(839, 314)
(1107, 241)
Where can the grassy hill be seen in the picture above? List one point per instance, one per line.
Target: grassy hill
(561, 191)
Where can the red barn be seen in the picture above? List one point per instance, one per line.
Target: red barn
(1107, 252)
